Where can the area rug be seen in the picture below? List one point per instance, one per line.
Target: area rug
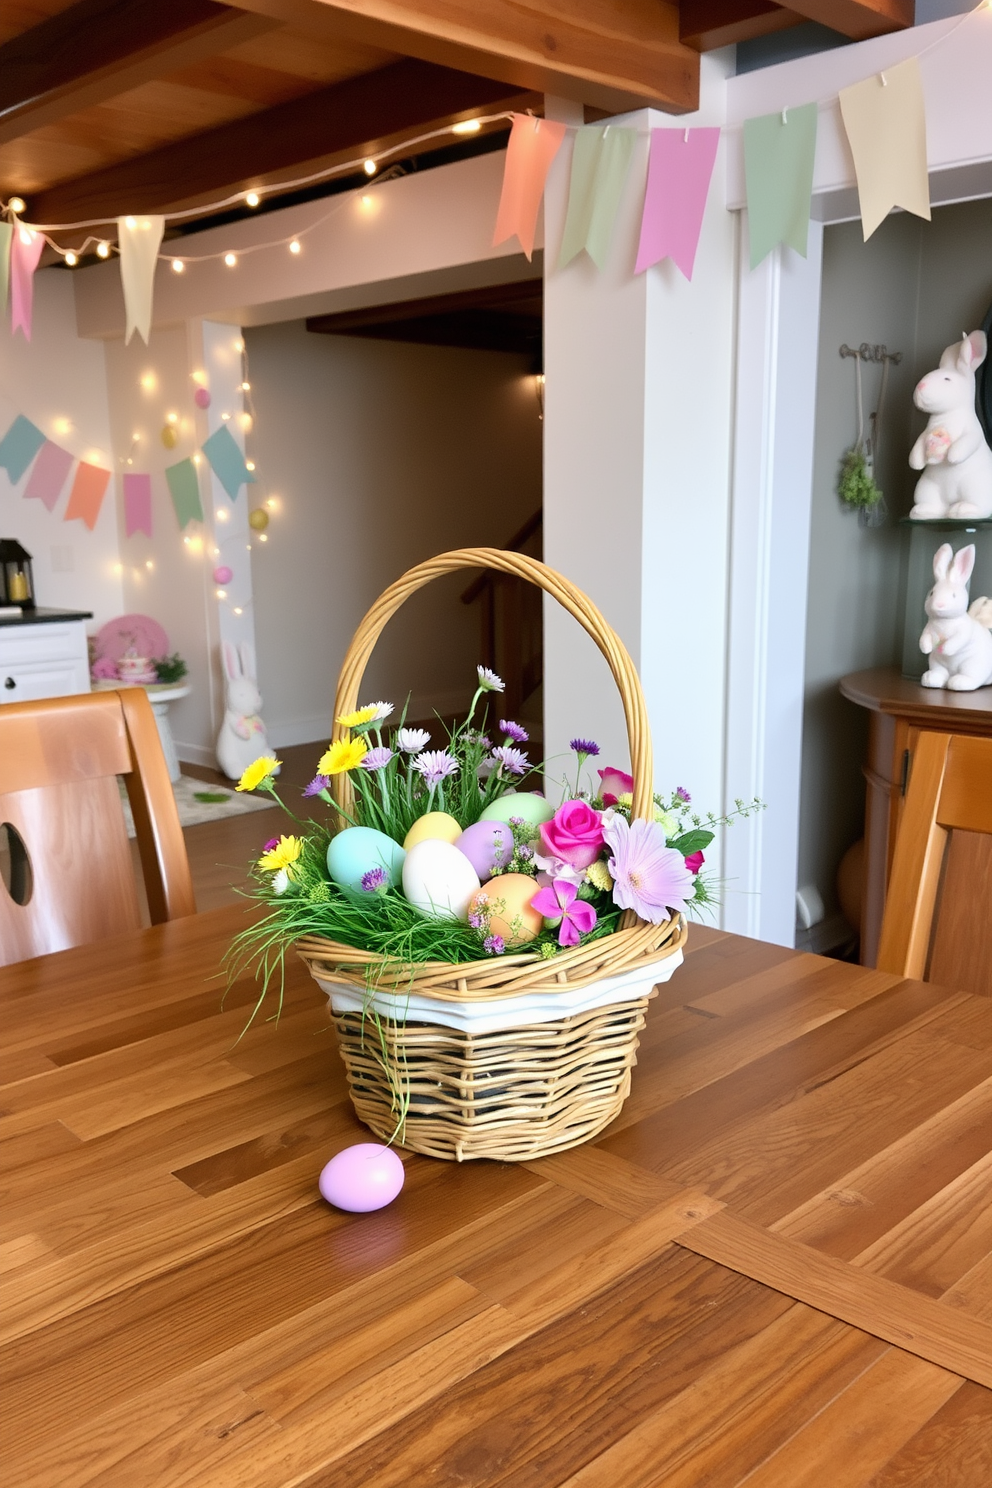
(199, 801)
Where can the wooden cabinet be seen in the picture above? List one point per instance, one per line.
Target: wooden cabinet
(899, 710)
(43, 654)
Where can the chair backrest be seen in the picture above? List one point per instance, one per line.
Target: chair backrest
(68, 862)
(938, 909)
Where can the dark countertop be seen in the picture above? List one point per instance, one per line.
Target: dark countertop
(42, 616)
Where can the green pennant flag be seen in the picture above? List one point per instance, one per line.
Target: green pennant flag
(778, 168)
(19, 446)
(6, 233)
(600, 163)
(184, 488)
(227, 461)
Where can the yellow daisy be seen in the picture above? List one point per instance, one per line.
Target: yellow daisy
(282, 856)
(356, 719)
(599, 876)
(256, 772)
(343, 755)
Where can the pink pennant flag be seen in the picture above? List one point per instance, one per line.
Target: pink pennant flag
(86, 496)
(534, 143)
(680, 167)
(48, 474)
(25, 251)
(137, 504)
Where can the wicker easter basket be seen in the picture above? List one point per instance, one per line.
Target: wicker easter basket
(535, 1083)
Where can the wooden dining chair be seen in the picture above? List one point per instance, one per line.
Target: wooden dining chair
(67, 873)
(937, 924)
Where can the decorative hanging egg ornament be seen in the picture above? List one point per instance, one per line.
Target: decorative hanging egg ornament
(362, 1178)
(223, 574)
(202, 397)
(170, 436)
(258, 519)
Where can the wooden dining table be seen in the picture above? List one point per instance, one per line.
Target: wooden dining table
(774, 1268)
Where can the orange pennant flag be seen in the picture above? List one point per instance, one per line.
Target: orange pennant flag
(534, 143)
(86, 496)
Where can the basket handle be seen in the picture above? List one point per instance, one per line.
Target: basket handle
(572, 599)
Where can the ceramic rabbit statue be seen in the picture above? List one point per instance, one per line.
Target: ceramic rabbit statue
(952, 451)
(955, 637)
(242, 735)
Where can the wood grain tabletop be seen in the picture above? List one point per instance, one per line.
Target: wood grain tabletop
(774, 1268)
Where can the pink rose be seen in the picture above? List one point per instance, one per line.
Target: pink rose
(694, 862)
(614, 785)
(574, 835)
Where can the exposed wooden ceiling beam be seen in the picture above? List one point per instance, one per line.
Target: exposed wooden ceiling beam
(614, 54)
(354, 118)
(858, 19)
(707, 24)
(98, 49)
(519, 292)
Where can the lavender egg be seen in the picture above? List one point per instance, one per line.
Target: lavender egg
(362, 1178)
(487, 845)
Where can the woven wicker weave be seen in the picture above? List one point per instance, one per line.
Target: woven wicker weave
(544, 1086)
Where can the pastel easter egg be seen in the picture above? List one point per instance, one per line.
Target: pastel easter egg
(170, 436)
(201, 398)
(530, 808)
(355, 851)
(362, 1178)
(436, 825)
(258, 519)
(504, 905)
(223, 574)
(439, 880)
(488, 845)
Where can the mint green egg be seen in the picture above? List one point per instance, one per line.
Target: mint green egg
(532, 809)
(355, 851)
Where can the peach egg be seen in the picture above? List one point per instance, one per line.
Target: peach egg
(504, 903)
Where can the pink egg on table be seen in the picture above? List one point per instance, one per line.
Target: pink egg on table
(202, 398)
(488, 845)
(362, 1178)
(223, 574)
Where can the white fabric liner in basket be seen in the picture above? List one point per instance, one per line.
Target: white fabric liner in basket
(505, 1012)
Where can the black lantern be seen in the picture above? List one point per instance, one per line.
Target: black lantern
(16, 578)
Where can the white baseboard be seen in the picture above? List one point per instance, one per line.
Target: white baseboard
(196, 754)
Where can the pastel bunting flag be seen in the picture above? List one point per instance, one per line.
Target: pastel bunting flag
(885, 120)
(48, 474)
(600, 163)
(778, 168)
(137, 504)
(184, 488)
(680, 168)
(533, 145)
(19, 446)
(25, 251)
(86, 496)
(227, 461)
(6, 233)
(139, 239)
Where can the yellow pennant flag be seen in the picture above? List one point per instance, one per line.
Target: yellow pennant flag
(886, 125)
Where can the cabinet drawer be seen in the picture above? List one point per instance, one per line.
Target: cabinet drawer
(31, 645)
(22, 684)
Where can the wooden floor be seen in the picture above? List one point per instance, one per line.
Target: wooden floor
(774, 1269)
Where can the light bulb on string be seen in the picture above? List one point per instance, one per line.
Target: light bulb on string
(17, 205)
(249, 464)
(467, 126)
(178, 267)
(71, 259)
(252, 198)
(103, 250)
(130, 224)
(370, 167)
(294, 246)
(230, 259)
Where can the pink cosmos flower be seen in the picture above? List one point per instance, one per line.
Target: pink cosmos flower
(559, 903)
(649, 878)
(615, 783)
(575, 834)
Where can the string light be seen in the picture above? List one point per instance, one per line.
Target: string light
(149, 564)
(294, 246)
(178, 267)
(238, 610)
(249, 464)
(246, 387)
(102, 250)
(230, 259)
(467, 126)
(370, 167)
(17, 205)
(221, 514)
(221, 593)
(130, 224)
(196, 459)
(225, 417)
(252, 198)
(172, 418)
(71, 259)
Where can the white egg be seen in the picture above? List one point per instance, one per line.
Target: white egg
(439, 880)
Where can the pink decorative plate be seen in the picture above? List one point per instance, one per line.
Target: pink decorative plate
(139, 634)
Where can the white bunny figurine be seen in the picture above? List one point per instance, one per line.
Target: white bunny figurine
(952, 451)
(242, 735)
(955, 637)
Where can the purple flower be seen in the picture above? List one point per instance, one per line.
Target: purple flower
(494, 945)
(573, 916)
(477, 921)
(585, 747)
(513, 761)
(317, 784)
(271, 845)
(376, 878)
(435, 765)
(649, 878)
(376, 759)
(513, 731)
(683, 795)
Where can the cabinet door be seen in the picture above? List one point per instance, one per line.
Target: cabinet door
(25, 684)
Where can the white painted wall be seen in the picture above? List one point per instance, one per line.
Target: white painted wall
(58, 381)
(379, 454)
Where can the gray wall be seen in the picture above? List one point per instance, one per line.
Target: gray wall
(915, 286)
